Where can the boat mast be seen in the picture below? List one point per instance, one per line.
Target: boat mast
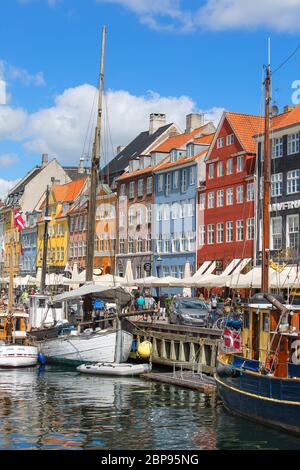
(95, 174)
(266, 187)
(45, 250)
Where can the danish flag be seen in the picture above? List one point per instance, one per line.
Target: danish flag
(19, 221)
(232, 339)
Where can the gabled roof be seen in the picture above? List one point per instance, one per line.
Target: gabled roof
(16, 192)
(286, 119)
(205, 139)
(67, 192)
(245, 127)
(137, 147)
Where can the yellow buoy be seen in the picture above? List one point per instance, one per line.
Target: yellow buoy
(144, 349)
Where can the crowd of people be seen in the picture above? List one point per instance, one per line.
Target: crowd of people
(147, 304)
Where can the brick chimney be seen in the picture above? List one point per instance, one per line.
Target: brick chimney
(157, 120)
(45, 159)
(193, 121)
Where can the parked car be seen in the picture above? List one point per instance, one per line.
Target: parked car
(188, 311)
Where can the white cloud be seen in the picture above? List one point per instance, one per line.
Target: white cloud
(171, 15)
(5, 186)
(66, 130)
(11, 72)
(8, 159)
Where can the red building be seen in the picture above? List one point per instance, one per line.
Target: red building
(226, 225)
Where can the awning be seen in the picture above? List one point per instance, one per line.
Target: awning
(108, 294)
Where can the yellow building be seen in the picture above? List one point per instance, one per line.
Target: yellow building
(60, 199)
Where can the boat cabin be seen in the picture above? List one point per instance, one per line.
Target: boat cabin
(270, 337)
(16, 329)
(44, 312)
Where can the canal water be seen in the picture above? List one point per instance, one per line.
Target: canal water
(61, 409)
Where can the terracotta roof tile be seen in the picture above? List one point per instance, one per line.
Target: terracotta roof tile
(246, 126)
(67, 192)
(181, 161)
(177, 141)
(286, 119)
(205, 139)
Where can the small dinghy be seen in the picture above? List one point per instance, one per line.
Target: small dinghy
(114, 369)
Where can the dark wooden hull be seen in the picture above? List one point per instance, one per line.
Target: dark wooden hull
(268, 400)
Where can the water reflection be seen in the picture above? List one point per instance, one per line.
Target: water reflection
(61, 409)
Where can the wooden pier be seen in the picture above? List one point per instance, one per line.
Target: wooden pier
(194, 347)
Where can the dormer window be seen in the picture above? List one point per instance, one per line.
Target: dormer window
(174, 156)
(190, 150)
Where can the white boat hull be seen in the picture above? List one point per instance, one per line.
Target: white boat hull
(15, 355)
(114, 369)
(96, 347)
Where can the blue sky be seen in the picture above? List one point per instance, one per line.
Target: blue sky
(162, 56)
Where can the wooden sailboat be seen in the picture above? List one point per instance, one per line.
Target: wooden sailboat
(258, 376)
(14, 348)
(77, 345)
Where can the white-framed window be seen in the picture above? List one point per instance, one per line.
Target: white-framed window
(202, 201)
(184, 181)
(80, 248)
(71, 250)
(174, 211)
(276, 184)
(148, 213)
(220, 232)
(160, 244)
(293, 182)
(229, 231)
(180, 271)
(131, 190)
(130, 244)
(84, 247)
(159, 213)
(239, 230)
(250, 192)
(240, 194)
(160, 183)
(140, 187)
(140, 244)
(293, 143)
(277, 147)
(122, 218)
(192, 175)
(122, 246)
(211, 200)
(166, 212)
(75, 250)
(201, 235)
(220, 142)
(167, 244)
(168, 183)
(122, 190)
(175, 179)
(230, 139)
(148, 242)
(220, 169)
(210, 234)
(293, 231)
(211, 171)
(174, 271)
(131, 216)
(229, 166)
(239, 163)
(138, 272)
(220, 198)
(149, 185)
(166, 271)
(174, 156)
(139, 216)
(229, 196)
(250, 229)
(276, 233)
